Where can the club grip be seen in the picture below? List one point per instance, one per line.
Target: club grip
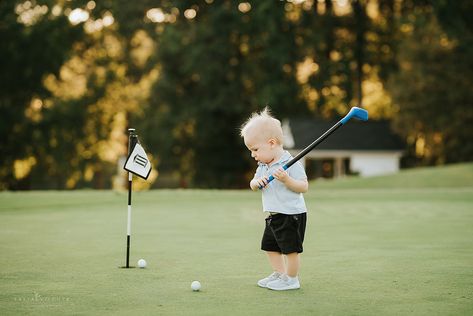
(271, 177)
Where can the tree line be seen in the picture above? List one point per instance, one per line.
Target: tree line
(76, 74)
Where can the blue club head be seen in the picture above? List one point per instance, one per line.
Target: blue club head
(356, 112)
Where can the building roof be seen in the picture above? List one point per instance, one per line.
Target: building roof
(355, 135)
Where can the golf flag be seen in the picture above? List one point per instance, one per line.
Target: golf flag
(138, 163)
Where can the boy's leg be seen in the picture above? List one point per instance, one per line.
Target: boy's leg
(293, 264)
(276, 260)
(289, 281)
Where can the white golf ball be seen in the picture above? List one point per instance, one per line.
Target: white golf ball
(195, 285)
(142, 263)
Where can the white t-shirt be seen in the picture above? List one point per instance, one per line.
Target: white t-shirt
(276, 196)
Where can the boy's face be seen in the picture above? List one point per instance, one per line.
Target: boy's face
(261, 150)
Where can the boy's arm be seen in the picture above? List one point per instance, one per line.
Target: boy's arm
(298, 186)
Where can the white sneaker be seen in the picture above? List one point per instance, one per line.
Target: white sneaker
(284, 283)
(272, 277)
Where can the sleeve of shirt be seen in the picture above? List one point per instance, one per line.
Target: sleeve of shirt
(258, 173)
(297, 171)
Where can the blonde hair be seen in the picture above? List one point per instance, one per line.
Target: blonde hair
(266, 125)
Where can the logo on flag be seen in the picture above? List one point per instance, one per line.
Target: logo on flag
(138, 163)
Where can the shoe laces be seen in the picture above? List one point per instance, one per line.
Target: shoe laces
(275, 274)
(284, 277)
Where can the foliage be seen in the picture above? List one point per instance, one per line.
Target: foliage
(212, 75)
(26, 56)
(76, 74)
(433, 90)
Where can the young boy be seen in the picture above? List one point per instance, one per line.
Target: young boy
(282, 200)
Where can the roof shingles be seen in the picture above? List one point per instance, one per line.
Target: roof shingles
(371, 135)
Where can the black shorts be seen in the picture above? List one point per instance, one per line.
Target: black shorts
(284, 233)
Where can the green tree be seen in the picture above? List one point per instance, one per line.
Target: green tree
(34, 44)
(433, 85)
(76, 74)
(215, 69)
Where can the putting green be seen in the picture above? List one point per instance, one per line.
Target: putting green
(369, 250)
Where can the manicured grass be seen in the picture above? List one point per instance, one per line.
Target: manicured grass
(453, 176)
(369, 250)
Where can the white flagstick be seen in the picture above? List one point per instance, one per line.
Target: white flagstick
(132, 140)
(137, 163)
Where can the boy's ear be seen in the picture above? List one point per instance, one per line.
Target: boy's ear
(272, 141)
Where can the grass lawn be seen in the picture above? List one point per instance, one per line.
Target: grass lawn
(393, 245)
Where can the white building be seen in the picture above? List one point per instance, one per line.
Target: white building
(365, 148)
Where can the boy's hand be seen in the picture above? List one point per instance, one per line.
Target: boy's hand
(281, 175)
(258, 183)
(262, 182)
(298, 186)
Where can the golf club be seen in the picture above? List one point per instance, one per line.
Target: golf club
(355, 112)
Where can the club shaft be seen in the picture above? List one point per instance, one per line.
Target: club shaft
(309, 148)
(313, 145)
